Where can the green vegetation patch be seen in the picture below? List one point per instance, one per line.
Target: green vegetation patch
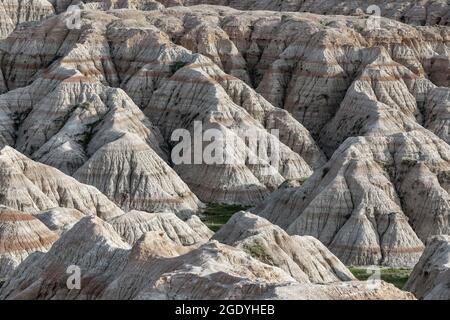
(174, 67)
(216, 215)
(396, 276)
(257, 251)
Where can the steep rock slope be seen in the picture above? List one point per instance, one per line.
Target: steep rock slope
(92, 245)
(308, 65)
(304, 258)
(161, 268)
(32, 187)
(319, 68)
(216, 271)
(20, 235)
(154, 72)
(430, 279)
(15, 12)
(77, 124)
(374, 200)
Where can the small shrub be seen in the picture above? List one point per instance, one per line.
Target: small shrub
(257, 251)
(174, 67)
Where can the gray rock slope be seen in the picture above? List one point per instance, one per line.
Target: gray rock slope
(158, 268)
(430, 279)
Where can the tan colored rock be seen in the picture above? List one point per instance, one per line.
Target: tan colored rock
(60, 220)
(21, 234)
(373, 201)
(304, 258)
(162, 269)
(233, 107)
(91, 244)
(428, 12)
(88, 124)
(235, 181)
(430, 278)
(131, 174)
(134, 224)
(30, 186)
(222, 272)
(15, 12)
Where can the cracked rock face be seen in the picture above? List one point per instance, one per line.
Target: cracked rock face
(430, 279)
(163, 269)
(15, 12)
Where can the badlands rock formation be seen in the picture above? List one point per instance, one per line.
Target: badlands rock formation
(428, 12)
(375, 202)
(60, 220)
(430, 279)
(134, 224)
(15, 12)
(30, 186)
(163, 269)
(284, 69)
(78, 77)
(98, 135)
(20, 235)
(305, 258)
(335, 131)
(319, 68)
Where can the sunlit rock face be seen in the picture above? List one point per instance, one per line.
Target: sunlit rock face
(118, 128)
(30, 186)
(21, 234)
(376, 201)
(305, 258)
(157, 267)
(429, 12)
(93, 126)
(430, 278)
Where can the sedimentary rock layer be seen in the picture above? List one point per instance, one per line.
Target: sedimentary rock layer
(30, 186)
(21, 234)
(375, 202)
(175, 88)
(132, 225)
(15, 12)
(427, 12)
(306, 259)
(162, 269)
(430, 279)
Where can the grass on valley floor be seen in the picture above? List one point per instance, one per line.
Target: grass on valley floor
(216, 215)
(396, 276)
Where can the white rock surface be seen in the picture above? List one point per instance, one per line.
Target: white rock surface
(305, 258)
(134, 224)
(158, 268)
(30, 186)
(375, 202)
